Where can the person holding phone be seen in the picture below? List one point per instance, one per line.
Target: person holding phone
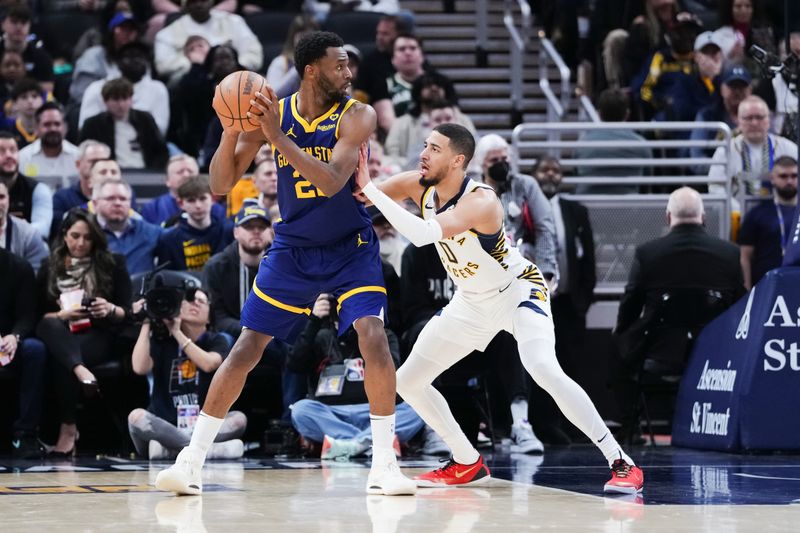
(84, 290)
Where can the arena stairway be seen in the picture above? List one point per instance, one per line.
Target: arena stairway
(484, 91)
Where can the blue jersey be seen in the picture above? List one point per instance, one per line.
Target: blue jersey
(308, 217)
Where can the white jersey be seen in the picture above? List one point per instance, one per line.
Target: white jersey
(479, 263)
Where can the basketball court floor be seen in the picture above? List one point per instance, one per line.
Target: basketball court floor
(684, 491)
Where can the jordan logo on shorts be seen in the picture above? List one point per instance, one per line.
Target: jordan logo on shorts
(359, 242)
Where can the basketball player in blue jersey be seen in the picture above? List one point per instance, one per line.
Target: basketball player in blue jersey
(497, 289)
(324, 243)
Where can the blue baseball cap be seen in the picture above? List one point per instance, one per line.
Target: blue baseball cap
(251, 211)
(736, 73)
(121, 18)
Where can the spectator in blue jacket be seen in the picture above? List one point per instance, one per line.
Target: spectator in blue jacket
(701, 88)
(196, 236)
(127, 235)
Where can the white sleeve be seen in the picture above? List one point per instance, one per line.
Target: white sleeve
(42, 210)
(419, 232)
(92, 102)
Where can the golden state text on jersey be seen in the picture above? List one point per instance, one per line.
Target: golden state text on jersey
(308, 217)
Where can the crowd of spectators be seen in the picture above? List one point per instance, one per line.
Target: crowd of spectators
(136, 95)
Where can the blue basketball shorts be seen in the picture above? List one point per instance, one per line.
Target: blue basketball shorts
(290, 279)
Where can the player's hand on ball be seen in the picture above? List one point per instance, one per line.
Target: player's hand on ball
(266, 102)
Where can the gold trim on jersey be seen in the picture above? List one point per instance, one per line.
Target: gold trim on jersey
(532, 274)
(280, 305)
(500, 250)
(358, 290)
(280, 111)
(339, 118)
(310, 128)
(427, 192)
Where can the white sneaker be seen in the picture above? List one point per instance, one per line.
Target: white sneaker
(524, 440)
(230, 449)
(342, 449)
(184, 476)
(434, 445)
(156, 452)
(385, 477)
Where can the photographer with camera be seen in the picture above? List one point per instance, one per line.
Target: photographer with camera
(182, 362)
(337, 413)
(84, 290)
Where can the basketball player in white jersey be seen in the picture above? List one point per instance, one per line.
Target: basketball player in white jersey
(497, 289)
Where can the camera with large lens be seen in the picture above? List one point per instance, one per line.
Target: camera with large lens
(163, 292)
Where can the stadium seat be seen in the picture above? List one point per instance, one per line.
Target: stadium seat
(271, 28)
(355, 27)
(60, 31)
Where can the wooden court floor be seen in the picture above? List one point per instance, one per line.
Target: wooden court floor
(684, 491)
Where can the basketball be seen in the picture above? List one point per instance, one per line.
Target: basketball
(232, 99)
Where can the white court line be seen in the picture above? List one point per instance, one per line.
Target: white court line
(755, 476)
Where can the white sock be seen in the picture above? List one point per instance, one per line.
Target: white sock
(382, 431)
(414, 380)
(538, 356)
(611, 449)
(205, 431)
(519, 411)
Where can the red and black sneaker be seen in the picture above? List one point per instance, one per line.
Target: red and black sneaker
(454, 473)
(625, 478)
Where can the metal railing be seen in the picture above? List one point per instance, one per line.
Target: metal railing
(482, 33)
(623, 221)
(519, 41)
(586, 109)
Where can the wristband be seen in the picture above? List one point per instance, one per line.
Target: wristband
(185, 344)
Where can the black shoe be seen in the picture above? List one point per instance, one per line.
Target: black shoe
(26, 446)
(90, 388)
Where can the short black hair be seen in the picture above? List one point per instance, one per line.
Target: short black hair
(541, 159)
(612, 105)
(194, 187)
(408, 35)
(24, 86)
(400, 25)
(785, 161)
(48, 106)
(428, 78)
(19, 12)
(461, 140)
(313, 47)
(117, 89)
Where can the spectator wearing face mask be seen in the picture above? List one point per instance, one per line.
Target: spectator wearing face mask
(528, 217)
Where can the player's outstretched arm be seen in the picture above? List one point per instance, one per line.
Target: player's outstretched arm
(355, 127)
(479, 210)
(398, 187)
(234, 154)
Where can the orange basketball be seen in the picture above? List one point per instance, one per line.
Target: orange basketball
(232, 99)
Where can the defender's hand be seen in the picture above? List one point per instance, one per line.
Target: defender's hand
(362, 170)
